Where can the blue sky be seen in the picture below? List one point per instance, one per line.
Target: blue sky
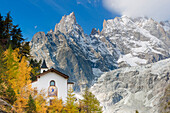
(42, 15)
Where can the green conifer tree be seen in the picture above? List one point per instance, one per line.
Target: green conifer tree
(10, 34)
(7, 25)
(35, 68)
(1, 28)
(16, 37)
(10, 95)
(31, 105)
(90, 103)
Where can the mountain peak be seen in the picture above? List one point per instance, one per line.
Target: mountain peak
(67, 18)
(95, 31)
(72, 14)
(67, 21)
(104, 23)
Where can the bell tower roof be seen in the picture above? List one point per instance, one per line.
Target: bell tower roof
(44, 64)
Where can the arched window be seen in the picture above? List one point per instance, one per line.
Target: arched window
(52, 90)
(52, 83)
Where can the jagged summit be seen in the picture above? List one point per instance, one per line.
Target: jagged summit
(66, 24)
(70, 17)
(94, 31)
(51, 31)
(104, 23)
(123, 42)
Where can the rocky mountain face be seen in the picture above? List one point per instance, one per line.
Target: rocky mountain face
(123, 42)
(140, 88)
(68, 49)
(139, 40)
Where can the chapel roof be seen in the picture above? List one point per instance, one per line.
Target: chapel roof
(55, 71)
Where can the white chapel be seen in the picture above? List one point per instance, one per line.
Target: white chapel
(52, 82)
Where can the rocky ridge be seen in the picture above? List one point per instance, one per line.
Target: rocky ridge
(139, 40)
(70, 50)
(123, 42)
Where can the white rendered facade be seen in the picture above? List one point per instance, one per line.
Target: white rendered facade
(53, 83)
(61, 84)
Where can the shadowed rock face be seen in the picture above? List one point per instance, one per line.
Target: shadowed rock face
(134, 88)
(123, 42)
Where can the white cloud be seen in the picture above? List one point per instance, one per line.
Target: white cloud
(157, 9)
(35, 27)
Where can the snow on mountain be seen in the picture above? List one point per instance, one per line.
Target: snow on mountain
(141, 39)
(128, 89)
(123, 42)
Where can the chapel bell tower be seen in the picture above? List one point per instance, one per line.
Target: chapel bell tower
(44, 67)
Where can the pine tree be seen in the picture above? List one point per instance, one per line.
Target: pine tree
(35, 68)
(2, 29)
(7, 25)
(25, 50)
(90, 103)
(12, 35)
(31, 108)
(16, 37)
(71, 106)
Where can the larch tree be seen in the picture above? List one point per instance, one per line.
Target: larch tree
(12, 35)
(40, 101)
(71, 105)
(6, 92)
(15, 67)
(18, 76)
(11, 62)
(22, 85)
(56, 106)
(90, 103)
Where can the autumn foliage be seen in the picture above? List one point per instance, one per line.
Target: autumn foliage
(17, 69)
